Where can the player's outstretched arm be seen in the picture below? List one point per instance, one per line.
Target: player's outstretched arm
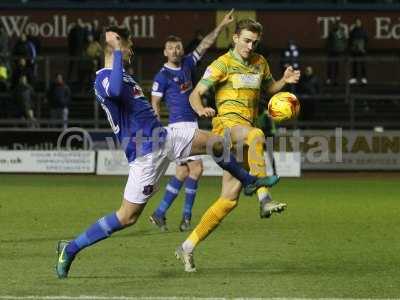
(210, 38)
(289, 76)
(113, 40)
(195, 100)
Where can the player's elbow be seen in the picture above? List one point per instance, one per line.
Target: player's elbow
(194, 96)
(191, 99)
(272, 90)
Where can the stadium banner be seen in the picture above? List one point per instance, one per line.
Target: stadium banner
(336, 150)
(150, 28)
(72, 138)
(47, 161)
(114, 163)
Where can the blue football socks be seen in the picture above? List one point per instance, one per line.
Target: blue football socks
(190, 189)
(232, 166)
(172, 191)
(100, 230)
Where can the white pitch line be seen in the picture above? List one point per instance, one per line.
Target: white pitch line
(87, 297)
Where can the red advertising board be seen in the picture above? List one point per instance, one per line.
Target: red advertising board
(150, 28)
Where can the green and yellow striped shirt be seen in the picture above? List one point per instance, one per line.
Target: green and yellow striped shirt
(237, 84)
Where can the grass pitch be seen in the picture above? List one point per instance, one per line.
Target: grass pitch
(338, 238)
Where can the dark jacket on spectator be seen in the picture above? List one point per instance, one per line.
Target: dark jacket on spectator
(4, 50)
(59, 95)
(309, 84)
(337, 40)
(24, 96)
(77, 38)
(358, 40)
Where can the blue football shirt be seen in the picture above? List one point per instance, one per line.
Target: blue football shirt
(174, 85)
(129, 112)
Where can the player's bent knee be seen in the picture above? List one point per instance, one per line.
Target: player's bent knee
(232, 194)
(182, 172)
(127, 220)
(218, 148)
(196, 171)
(128, 214)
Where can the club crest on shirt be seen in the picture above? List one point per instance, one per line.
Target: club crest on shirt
(186, 86)
(148, 190)
(137, 91)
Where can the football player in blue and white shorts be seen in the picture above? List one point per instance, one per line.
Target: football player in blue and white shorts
(148, 146)
(173, 84)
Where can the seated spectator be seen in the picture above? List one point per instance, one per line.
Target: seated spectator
(59, 98)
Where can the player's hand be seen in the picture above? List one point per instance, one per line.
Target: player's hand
(113, 40)
(290, 75)
(228, 18)
(206, 112)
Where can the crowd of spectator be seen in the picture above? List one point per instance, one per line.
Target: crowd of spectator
(341, 43)
(19, 73)
(19, 70)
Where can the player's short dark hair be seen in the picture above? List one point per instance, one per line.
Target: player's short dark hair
(173, 39)
(123, 32)
(250, 25)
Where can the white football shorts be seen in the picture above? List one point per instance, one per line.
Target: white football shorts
(182, 161)
(146, 171)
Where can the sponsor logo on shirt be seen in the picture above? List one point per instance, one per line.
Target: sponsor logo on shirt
(247, 81)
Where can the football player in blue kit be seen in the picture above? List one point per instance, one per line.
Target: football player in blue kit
(148, 147)
(173, 84)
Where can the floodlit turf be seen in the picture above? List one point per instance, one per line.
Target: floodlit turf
(340, 237)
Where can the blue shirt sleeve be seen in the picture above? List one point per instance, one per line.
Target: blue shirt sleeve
(159, 85)
(115, 87)
(191, 60)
